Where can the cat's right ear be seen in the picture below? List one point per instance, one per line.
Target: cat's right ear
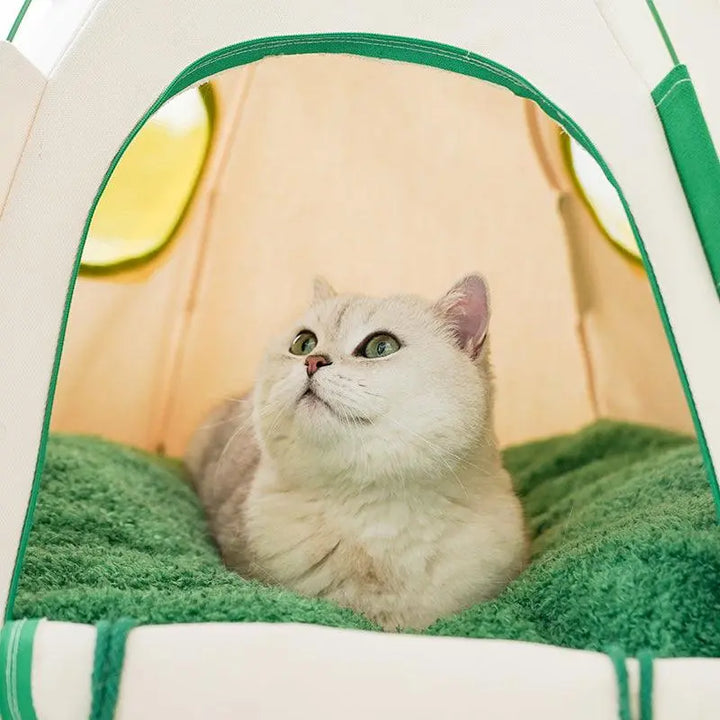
(322, 290)
(466, 308)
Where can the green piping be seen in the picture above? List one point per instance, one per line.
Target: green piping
(661, 27)
(420, 52)
(617, 656)
(18, 20)
(16, 651)
(208, 96)
(645, 661)
(705, 453)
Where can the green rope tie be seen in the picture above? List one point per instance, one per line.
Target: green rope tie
(107, 666)
(645, 659)
(617, 656)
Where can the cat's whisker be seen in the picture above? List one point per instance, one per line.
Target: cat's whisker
(209, 426)
(236, 434)
(233, 399)
(284, 405)
(434, 447)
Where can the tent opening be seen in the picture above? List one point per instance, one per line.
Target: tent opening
(384, 177)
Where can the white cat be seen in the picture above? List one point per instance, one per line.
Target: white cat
(364, 467)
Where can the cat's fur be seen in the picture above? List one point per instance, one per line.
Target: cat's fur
(385, 491)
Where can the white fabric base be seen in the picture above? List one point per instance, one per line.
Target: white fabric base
(267, 671)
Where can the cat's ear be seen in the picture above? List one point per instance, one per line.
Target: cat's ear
(322, 290)
(466, 308)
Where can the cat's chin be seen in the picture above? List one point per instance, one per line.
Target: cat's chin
(323, 424)
(313, 403)
(315, 414)
(311, 399)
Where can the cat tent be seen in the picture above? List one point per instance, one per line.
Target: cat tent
(631, 82)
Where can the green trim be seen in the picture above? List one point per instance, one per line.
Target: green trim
(617, 656)
(86, 269)
(645, 661)
(18, 21)
(695, 157)
(110, 643)
(419, 52)
(16, 651)
(661, 27)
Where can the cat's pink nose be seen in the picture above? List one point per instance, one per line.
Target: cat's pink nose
(314, 362)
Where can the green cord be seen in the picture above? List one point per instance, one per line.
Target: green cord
(645, 660)
(663, 32)
(623, 687)
(18, 20)
(107, 666)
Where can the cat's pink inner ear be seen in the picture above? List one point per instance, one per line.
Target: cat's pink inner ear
(467, 310)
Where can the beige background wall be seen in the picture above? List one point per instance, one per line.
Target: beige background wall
(385, 178)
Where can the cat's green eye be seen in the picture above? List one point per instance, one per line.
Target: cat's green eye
(304, 343)
(379, 346)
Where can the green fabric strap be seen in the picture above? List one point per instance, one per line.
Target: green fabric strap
(695, 157)
(107, 666)
(16, 649)
(623, 687)
(645, 659)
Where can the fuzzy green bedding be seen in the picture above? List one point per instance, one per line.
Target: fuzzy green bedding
(626, 550)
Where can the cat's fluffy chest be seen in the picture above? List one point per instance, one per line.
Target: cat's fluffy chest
(392, 559)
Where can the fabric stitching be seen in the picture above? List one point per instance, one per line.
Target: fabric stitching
(671, 89)
(382, 42)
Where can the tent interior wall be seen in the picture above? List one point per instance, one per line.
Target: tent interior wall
(384, 177)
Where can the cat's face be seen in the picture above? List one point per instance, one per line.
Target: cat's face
(382, 385)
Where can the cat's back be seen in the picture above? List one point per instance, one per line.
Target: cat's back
(223, 455)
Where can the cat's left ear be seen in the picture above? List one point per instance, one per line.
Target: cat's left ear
(466, 308)
(322, 290)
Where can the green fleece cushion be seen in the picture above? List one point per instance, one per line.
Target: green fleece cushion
(625, 552)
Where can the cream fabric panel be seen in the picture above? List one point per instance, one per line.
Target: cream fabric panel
(47, 28)
(633, 25)
(21, 85)
(297, 671)
(62, 666)
(126, 331)
(385, 178)
(686, 688)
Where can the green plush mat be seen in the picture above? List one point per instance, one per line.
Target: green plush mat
(626, 550)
